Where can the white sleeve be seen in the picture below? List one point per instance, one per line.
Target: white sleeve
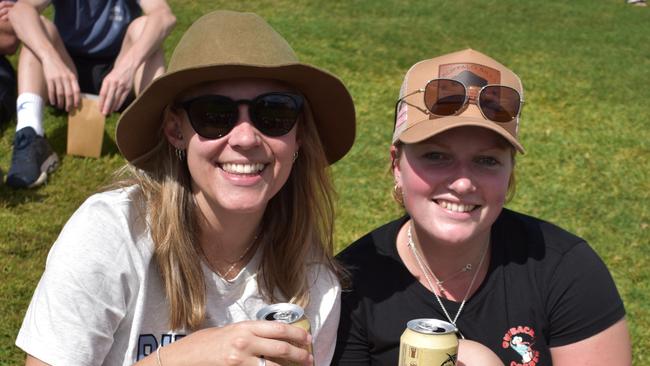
(324, 311)
(82, 296)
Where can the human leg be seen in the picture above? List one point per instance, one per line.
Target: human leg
(153, 66)
(31, 81)
(33, 158)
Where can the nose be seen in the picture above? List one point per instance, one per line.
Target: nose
(462, 182)
(244, 134)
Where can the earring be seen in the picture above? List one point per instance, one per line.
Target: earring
(398, 194)
(295, 156)
(180, 154)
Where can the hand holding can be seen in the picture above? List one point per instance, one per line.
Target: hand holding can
(289, 314)
(428, 342)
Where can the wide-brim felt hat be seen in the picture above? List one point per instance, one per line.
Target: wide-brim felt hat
(225, 45)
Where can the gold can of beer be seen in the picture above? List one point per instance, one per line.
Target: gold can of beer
(428, 342)
(289, 314)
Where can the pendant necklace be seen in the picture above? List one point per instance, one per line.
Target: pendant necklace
(424, 267)
(224, 276)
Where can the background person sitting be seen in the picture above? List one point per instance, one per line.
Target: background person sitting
(105, 47)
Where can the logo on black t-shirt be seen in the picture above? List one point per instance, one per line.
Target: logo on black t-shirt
(521, 340)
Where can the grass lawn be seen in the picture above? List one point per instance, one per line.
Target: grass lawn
(585, 69)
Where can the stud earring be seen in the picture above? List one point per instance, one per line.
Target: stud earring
(295, 156)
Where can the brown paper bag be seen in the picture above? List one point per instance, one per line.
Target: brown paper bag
(86, 128)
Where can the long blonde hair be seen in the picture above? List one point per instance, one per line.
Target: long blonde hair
(297, 226)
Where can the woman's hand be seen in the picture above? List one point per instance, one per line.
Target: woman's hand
(238, 344)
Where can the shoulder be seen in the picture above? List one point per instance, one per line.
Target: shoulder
(536, 234)
(106, 225)
(324, 293)
(379, 243)
(321, 276)
(120, 209)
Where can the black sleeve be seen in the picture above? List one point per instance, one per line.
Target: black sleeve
(351, 342)
(582, 297)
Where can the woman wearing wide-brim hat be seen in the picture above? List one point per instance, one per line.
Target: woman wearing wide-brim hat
(228, 208)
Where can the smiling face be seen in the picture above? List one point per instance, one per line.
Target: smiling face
(454, 184)
(241, 171)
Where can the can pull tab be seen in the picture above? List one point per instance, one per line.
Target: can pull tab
(430, 328)
(283, 316)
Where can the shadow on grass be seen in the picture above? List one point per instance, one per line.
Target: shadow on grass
(10, 197)
(57, 137)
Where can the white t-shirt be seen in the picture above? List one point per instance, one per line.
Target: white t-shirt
(101, 301)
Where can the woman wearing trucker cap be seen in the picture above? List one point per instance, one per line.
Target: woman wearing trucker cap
(528, 290)
(226, 148)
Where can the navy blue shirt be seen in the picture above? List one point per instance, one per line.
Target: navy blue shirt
(94, 28)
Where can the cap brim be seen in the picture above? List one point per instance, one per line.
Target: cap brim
(427, 128)
(139, 127)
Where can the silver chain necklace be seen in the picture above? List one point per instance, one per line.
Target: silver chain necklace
(424, 267)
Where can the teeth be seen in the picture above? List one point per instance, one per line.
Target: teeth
(456, 207)
(242, 168)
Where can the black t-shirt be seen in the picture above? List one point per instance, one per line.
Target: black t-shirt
(544, 288)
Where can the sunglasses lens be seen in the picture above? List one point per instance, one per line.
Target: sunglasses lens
(212, 116)
(500, 103)
(444, 97)
(275, 114)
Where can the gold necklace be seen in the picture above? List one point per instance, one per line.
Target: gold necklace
(224, 276)
(424, 267)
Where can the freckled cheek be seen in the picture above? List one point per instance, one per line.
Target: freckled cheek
(416, 184)
(497, 189)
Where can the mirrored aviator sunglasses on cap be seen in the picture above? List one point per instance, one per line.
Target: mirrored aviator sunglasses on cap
(448, 97)
(214, 116)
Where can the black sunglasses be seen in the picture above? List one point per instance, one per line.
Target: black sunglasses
(214, 116)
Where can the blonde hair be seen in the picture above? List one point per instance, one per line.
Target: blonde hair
(297, 225)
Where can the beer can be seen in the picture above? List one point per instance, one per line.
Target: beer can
(289, 314)
(429, 342)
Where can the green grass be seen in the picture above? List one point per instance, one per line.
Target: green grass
(584, 65)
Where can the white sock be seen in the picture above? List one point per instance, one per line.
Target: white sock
(29, 112)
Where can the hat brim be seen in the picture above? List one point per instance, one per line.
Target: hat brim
(139, 127)
(427, 128)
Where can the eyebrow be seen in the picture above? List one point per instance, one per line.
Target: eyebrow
(496, 147)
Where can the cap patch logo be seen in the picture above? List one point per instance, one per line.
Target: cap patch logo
(470, 79)
(470, 74)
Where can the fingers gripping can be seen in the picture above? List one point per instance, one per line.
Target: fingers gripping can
(429, 342)
(289, 314)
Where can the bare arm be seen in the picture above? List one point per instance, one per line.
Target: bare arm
(33, 361)
(25, 19)
(135, 50)
(471, 353)
(234, 344)
(8, 39)
(60, 78)
(160, 22)
(612, 346)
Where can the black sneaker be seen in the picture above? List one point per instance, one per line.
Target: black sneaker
(32, 160)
